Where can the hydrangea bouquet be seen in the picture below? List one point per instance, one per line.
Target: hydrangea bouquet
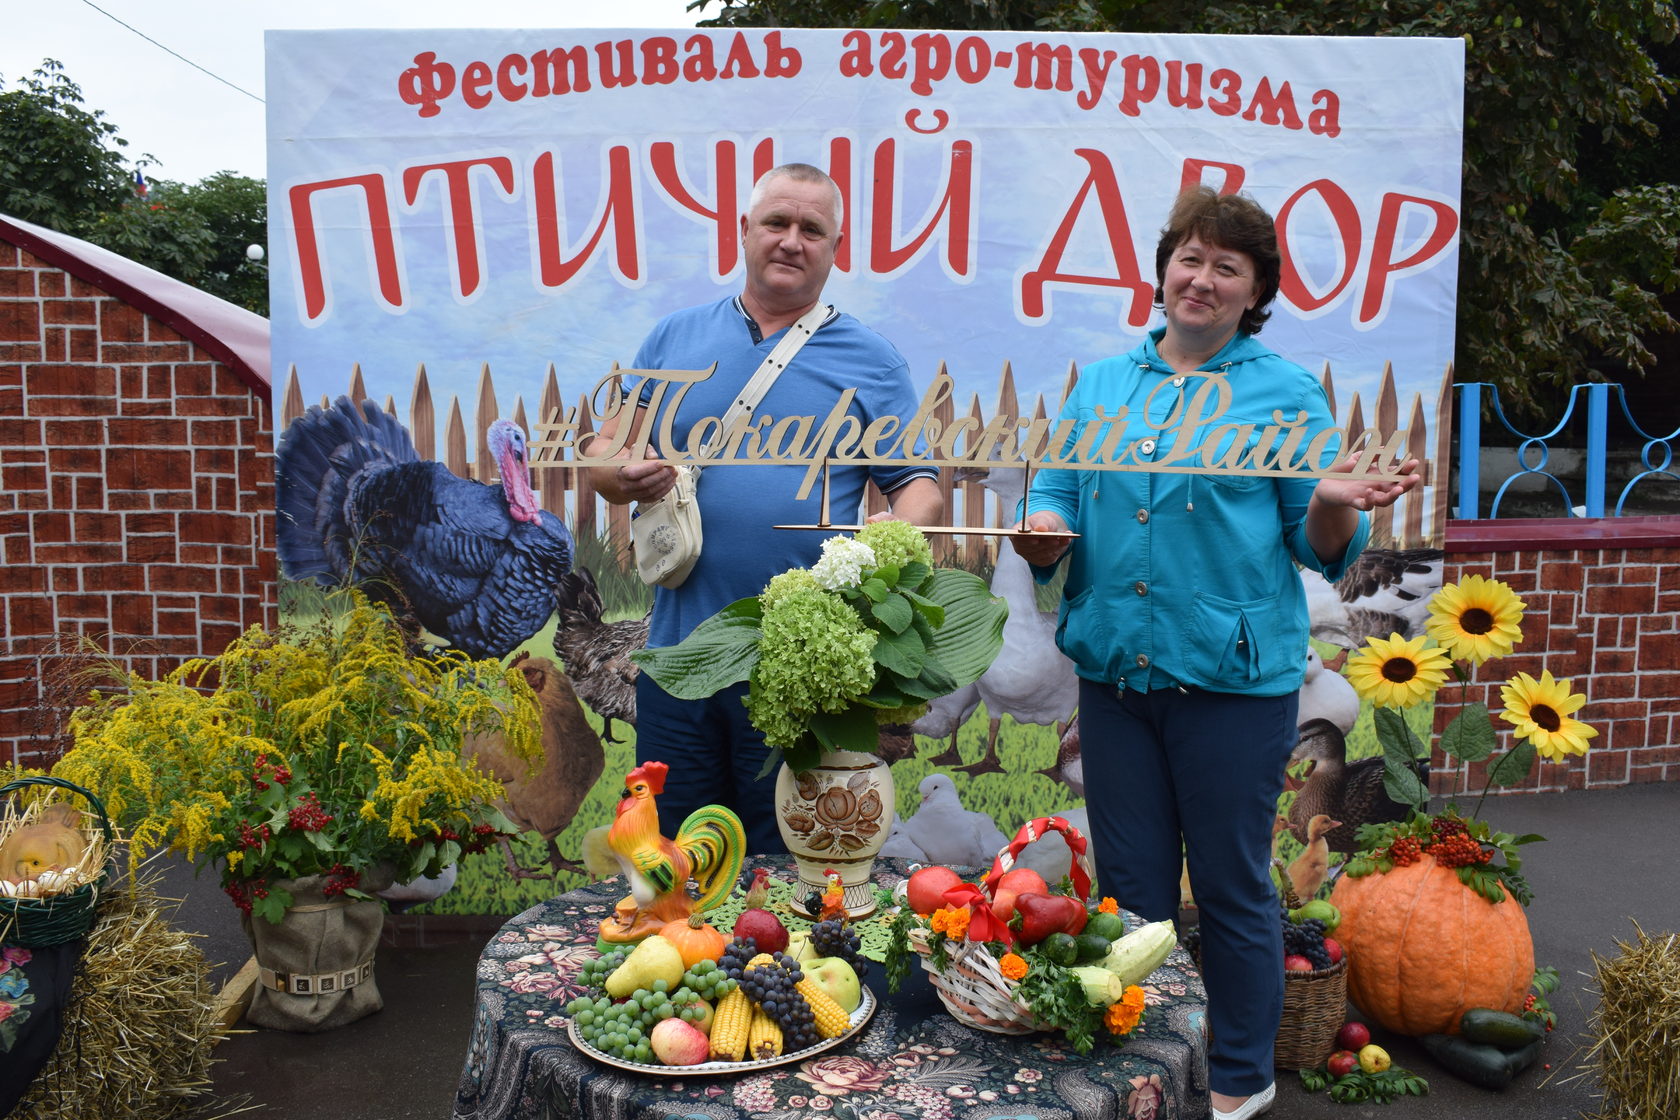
(1470, 622)
(867, 635)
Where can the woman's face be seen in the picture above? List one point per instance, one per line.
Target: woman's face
(1207, 288)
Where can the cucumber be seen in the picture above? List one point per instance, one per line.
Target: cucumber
(1092, 947)
(1500, 1028)
(1060, 948)
(1475, 1062)
(1519, 1060)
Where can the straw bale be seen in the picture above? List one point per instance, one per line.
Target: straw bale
(141, 1023)
(1636, 1054)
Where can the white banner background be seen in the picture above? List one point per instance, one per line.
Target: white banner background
(1353, 143)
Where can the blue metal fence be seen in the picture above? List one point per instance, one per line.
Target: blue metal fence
(1534, 454)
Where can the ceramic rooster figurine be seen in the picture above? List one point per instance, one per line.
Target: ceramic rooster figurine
(833, 904)
(709, 847)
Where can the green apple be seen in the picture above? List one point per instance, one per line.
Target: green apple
(799, 946)
(838, 978)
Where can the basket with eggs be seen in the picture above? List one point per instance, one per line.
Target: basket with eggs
(53, 870)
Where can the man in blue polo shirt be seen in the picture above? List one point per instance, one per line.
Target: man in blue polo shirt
(789, 236)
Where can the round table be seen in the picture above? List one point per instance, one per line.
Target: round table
(911, 1060)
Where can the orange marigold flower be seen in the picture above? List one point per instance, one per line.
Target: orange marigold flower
(952, 921)
(1122, 1017)
(1108, 906)
(1012, 966)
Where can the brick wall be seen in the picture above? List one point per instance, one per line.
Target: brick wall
(1602, 610)
(136, 495)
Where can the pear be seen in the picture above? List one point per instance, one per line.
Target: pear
(654, 959)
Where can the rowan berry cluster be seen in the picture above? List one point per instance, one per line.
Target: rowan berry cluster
(308, 815)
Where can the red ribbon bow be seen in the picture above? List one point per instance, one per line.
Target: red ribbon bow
(983, 925)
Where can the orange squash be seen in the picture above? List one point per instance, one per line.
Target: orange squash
(696, 939)
(1423, 948)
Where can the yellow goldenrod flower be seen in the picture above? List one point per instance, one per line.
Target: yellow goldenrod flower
(1541, 711)
(1394, 672)
(1475, 619)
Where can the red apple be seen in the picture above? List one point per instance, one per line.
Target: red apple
(1354, 1036)
(1342, 1063)
(1295, 962)
(925, 890)
(1334, 948)
(676, 1043)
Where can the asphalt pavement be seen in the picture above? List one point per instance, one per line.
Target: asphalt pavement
(1607, 863)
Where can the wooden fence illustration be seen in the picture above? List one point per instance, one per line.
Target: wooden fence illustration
(1417, 520)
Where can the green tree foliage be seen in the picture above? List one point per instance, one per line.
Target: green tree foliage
(1570, 219)
(61, 167)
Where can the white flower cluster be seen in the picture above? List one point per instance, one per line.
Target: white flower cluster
(842, 563)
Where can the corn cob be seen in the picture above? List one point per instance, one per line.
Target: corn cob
(761, 959)
(764, 1037)
(729, 1027)
(831, 1019)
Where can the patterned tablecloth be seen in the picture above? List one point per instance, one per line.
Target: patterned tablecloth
(911, 1060)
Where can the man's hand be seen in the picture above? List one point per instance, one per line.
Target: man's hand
(1041, 551)
(646, 481)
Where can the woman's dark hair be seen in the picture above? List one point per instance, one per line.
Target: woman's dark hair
(1231, 222)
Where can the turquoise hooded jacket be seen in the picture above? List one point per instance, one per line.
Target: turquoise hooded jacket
(1183, 578)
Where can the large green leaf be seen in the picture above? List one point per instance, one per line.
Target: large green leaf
(1513, 767)
(719, 652)
(1401, 750)
(851, 730)
(972, 633)
(904, 653)
(1469, 737)
(893, 612)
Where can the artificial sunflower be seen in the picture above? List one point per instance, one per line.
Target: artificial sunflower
(1475, 619)
(1394, 672)
(1540, 710)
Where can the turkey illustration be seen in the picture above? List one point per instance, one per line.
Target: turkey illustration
(472, 565)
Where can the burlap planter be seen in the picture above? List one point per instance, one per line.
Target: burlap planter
(316, 964)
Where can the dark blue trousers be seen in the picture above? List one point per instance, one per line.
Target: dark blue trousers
(1202, 770)
(715, 754)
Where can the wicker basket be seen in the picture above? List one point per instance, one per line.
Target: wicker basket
(970, 985)
(40, 923)
(1314, 1007)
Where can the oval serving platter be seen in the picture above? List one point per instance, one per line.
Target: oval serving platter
(856, 1022)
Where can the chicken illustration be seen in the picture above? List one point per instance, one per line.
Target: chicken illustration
(544, 800)
(1385, 591)
(710, 846)
(832, 904)
(597, 653)
(465, 563)
(1351, 792)
(1307, 871)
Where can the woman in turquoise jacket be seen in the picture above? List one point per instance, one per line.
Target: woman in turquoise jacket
(1184, 614)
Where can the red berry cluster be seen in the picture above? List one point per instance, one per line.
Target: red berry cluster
(483, 835)
(1405, 851)
(263, 766)
(243, 894)
(1449, 841)
(1460, 850)
(340, 879)
(253, 837)
(308, 815)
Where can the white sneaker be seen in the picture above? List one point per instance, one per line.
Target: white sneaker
(1253, 1106)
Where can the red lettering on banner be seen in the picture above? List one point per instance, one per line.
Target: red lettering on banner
(381, 237)
(659, 61)
(1345, 215)
(892, 58)
(780, 61)
(974, 59)
(475, 85)
(1229, 83)
(625, 75)
(426, 83)
(740, 62)
(1096, 65)
(618, 207)
(1271, 107)
(1041, 66)
(1326, 120)
(1101, 180)
(956, 207)
(933, 62)
(857, 61)
(457, 178)
(1444, 226)
(1184, 84)
(1193, 168)
(726, 203)
(1140, 80)
(506, 87)
(699, 66)
(560, 71)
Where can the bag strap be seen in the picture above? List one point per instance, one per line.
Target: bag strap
(769, 369)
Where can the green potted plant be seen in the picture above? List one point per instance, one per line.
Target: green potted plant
(312, 765)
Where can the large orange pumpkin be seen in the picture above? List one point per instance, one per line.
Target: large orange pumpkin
(1423, 948)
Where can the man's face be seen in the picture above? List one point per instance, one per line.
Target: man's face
(790, 238)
